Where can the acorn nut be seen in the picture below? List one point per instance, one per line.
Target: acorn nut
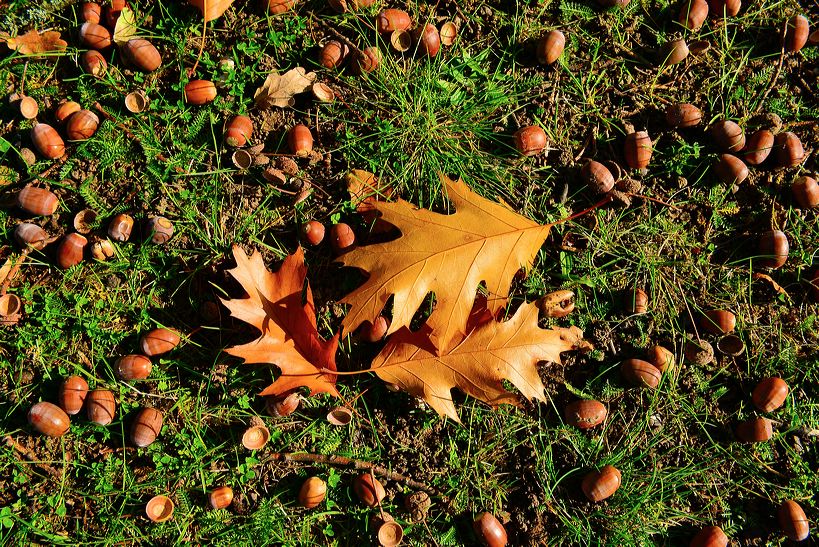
(730, 169)
(333, 54)
(755, 430)
(693, 14)
(599, 485)
(94, 36)
(367, 61)
(146, 427)
(141, 54)
(773, 249)
(788, 150)
(710, 536)
(718, 321)
(369, 489)
(312, 492)
(661, 358)
(72, 393)
(723, 8)
(27, 234)
(277, 7)
(428, 39)
(283, 405)
(683, 114)
(37, 201)
(82, 125)
(199, 92)
(49, 419)
(120, 227)
(342, 238)
(531, 140)
(65, 110)
(238, 131)
(133, 367)
(489, 530)
(47, 141)
(101, 406)
(300, 140)
(796, 35)
(728, 136)
(597, 177)
(70, 251)
(389, 20)
(806, 192)
(674, 52)
(585, 413)
(312, 232)
(158, 342)
(375, 332)
(641, 373)
(793, 521)
(91, 12)
(770, 394)
(160, 230)
(220, 497)
(550, 47)
(93, 62)
(758, 147)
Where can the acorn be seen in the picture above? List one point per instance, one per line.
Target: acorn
(638, 149)
(322, 92)
(693, 14)
(755, 430)
(136, 101)
(550, 47)
(674, 52)
(91, 12)
(722, 8)
(94, 36)
(312, 232)
(718, 321)
(342, 6)
(49, 419)
(158, 342)
(120, 227)
(489, 530)
(710, 536)
(531, 140)
(333, 54)
(340, 416)
(312, 492)
(770, 394)
(728, 136)
(11, 309)
(793, 520)
(37, 201)
(100, 405)
(367, 61)
(27, 234)
(389, 20)
(133, 367)
(699, 352)
(637, 301)
(238, 131)
(93, 62)
(160, 229)
(300, 140)
(375, 332)
(683, 114)
(758, 147)
(428, 39)
(159, 508)
(796, 35)
(597, 177)
(146, 427)
(84, 221)
(277, 7)
(112, 13)
(47, 141)
(599, 485)
(449, 32)
(283, 405)
(65, 111)
(28, 107)
(70, 251)
(72, 394)
(141, 54)
(585, 413)
(220, 497)
(255, 436)
(199, 92)
(730, 169)
(773, 248)
(789, 151)
(342, 238)
(82, 125)
(641, 373)
(661, 358)
(806, 192)
(369, 489)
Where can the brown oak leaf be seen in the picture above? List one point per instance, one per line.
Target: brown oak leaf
(449, 255)
(287, 321)
(279, 89)
(125, 28)
(34, 43)
(212, 9)
(478, 362)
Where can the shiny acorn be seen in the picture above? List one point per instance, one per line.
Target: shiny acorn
(367, 61)
(72, 393)
(773, 249)
(28, 107)
(599, 485)
(82, 125)
(550, 47)
(531, 140)
(94, 36)
(159, 509)
(65, 110)
(723, 8)
(91, 12)
(661, 358)
(641, 373)
(283, 405)
(342, 238)
(428, 40)
(238, 131)
(693, 14)
(770, 394)
(312, 492)
(489, 530)
(333, 54)
(755, 430)
(674, 52)
(718, 321)
(141, 54)
(369, 489)
(160, 230)
(728, 136)
(585, 413)
(730, 169)
(113, 10)
(806, 192)
(597, 177)
(27, 234)
(710, 536)
(449, 32)
(277, 7)
(637, 301)
(146, 427)
(133, 367)
(49, 419)
(47, 141)
(683, 114)
(796, 35)
(93, 62)
(37, 201)
(793, 521)
(220, 497)
(101, 406)
(389, 20)
(199, 92)
(637, 149)
(758, 147)
(120, 227)
(375, 332)
(312, 232)
(300, 140)
(71, 250)
(788, 150)
(158, 342)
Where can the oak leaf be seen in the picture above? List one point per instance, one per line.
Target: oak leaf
(34, 43)
(287, 321)
(212, 9)
(478, 362)
(279, 89)
(125, 28)
(449, 255)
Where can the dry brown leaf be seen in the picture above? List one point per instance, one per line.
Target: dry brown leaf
(449, 255)
(289, 337)
(34, 43)
(477, 363)
(211, 9)
(126, 28)
(774, 285)
(279, 89)
(365, 188)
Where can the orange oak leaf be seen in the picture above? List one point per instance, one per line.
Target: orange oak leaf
(34, 43)
(287, 321)
(449, 255)
(212, 9)
(478, 362)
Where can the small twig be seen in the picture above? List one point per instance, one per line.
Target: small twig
(655, 200)
(342, 38)
(201, 45)
(30, 456)
(13, 271)
(778, 70)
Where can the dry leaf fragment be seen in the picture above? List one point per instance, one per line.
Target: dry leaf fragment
(211, 9)
(279, 89)
(289, 337)
(126, 28)
(34, 43)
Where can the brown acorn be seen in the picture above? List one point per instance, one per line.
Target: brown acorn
(283, 405)
(28, 107)
(91, 12)
(796, 35)
(342, 6)
(277, 7)
(637, 301)
(531, 140)
(661, 358)
(773, 249)
(770, 394)
(641, 373)
(65, 111)
(730, 169)
(550, 47)
(638, 150)
(755, 430)
(428, 39)
(369, 489)
(27, 234)
(72, 394)
(806, 192)
(312, 492)
(723, 8)
(449, 32)
(120, 227)
(597, 177)
(793, 521)
(300, 140)
(374, 332)
(112, 12)
(585, 413)
(133, 367)
(758, 147)
(599, 485)
(158, 342)
(70, 251)
(718, 321)
(141, 54)
(49, 419)
(84, 221)
(710, 536)
(93, 62)
(693, 14)
(159, 509)
(389, 20)
(367, 61)
(82, 125)
(699, 352)
(238, 131)
(342, 238)
(146, 427)
(94, 36)
(728, 136)
(489, 531)
(674, 52)
(255, 436)
(312, 232)
(220, 497)
(160, 229)
(199, 92)
(47, 141)
(100, 405)
(333, 54)
(683, 114)
(789, 151)
(37, 201)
